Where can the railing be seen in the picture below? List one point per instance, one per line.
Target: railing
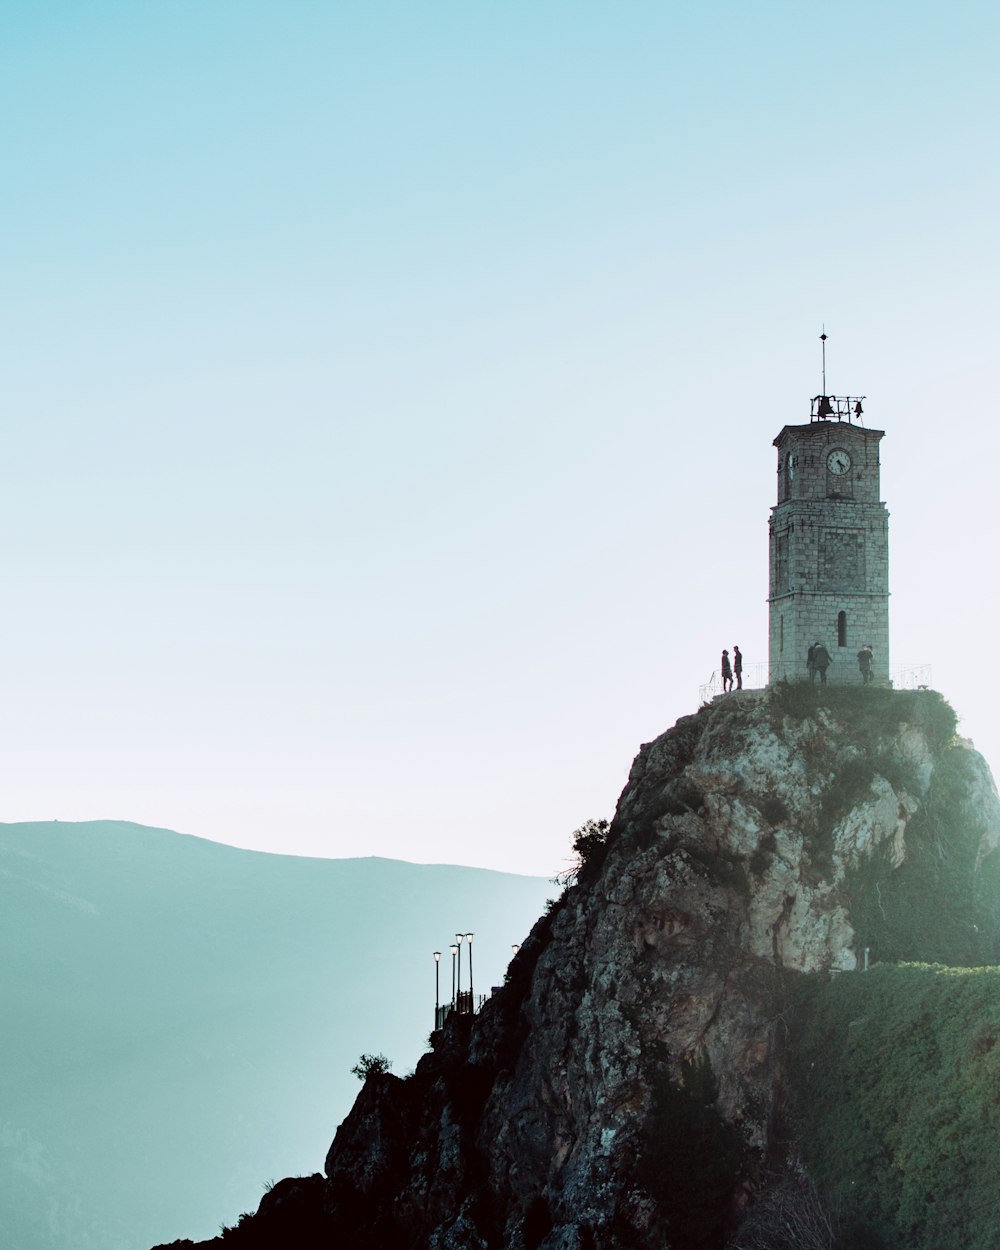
(911, 677)
(756, 677)
(465, 1005)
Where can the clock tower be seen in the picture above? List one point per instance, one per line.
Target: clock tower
(829, 546)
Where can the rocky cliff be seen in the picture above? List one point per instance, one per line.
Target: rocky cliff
(626, 1088)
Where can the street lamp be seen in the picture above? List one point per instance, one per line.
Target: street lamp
(454, 952)
(468, 938)
(458, 940)
(515, 947)
(437, 989)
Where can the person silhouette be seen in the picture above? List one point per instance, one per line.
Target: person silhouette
(820, 661)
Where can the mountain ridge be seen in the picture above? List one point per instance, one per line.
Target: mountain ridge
(179, 1008)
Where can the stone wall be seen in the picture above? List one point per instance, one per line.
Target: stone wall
(829, 554)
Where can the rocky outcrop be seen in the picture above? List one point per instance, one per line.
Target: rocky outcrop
(625, 1087)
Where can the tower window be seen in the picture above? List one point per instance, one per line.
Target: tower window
(781, 632)
(841, 629)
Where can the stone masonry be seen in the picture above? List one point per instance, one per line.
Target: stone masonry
(829, 551)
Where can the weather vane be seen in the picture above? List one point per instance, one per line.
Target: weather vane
(822, 339)
(825, 406)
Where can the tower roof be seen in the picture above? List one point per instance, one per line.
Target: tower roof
(827, 430)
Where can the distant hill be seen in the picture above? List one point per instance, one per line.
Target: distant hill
(180, 1017)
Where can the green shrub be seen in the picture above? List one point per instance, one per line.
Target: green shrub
(894, 1077)
(683, 798)
(848, 787)
(590, 849)
(371, 1065)
(724, 867)
(760, 859)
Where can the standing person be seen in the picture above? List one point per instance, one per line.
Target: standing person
(811, 661)
(727, 673)
(738, 666)
(821, 660)
(865, 658)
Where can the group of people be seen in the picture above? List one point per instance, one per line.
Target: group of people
(732, 670)
(817, 662)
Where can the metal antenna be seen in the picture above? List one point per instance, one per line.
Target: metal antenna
(822, 339)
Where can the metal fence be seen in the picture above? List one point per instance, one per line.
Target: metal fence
(756, 677)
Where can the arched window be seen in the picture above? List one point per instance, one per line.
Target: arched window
(841, 629)
(781, 629)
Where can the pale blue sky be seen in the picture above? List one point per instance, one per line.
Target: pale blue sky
(390, 388)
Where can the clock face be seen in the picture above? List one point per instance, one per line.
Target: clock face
(838, 461)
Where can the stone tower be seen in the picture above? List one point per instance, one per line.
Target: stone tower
(829, 577)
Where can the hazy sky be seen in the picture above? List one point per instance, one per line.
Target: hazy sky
(389, 391)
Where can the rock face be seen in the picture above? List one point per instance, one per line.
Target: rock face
(624, 1089)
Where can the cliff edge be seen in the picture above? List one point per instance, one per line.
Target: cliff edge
(627, 1087)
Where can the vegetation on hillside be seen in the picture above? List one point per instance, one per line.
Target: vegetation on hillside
(895, 1076)
(868, 710)
(371, 1065)
(590, 848)
(942, 904)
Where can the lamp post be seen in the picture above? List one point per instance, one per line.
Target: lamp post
(437, 989)
(472, 1001)
(454, 952)
(458, 942)
(515, 947)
